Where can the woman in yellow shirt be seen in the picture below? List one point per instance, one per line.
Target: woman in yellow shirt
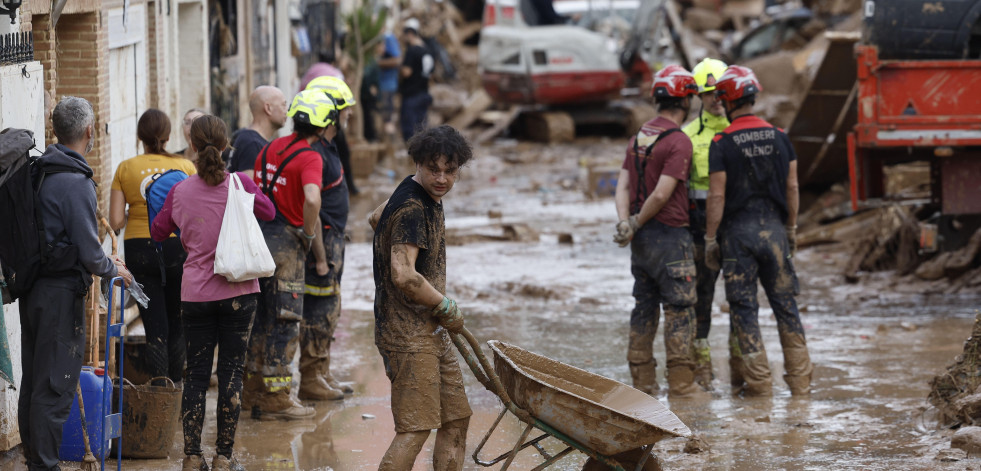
(160, 271)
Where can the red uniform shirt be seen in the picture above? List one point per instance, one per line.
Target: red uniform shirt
(304, 169)
(672, 157)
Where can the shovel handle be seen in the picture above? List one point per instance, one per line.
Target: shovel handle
(112, 235)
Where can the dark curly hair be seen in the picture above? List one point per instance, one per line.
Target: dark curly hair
(430, 144)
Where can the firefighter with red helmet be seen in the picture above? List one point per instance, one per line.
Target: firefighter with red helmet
(752, 210)
(652, 205)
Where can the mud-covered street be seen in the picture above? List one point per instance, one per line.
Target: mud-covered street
(875, 345)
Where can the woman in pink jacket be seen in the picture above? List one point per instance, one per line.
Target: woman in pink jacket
(215, 311)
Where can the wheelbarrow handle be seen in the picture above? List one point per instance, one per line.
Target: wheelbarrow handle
(484, 372)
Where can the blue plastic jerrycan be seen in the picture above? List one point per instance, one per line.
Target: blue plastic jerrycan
(72, 445)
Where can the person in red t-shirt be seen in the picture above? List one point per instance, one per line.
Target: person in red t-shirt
(289, 171)
(652, 204)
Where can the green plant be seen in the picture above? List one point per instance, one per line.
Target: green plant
(365, 25)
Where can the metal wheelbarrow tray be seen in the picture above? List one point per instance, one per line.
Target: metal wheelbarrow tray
(587, 412)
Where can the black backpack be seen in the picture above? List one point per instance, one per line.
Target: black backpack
(24, 255)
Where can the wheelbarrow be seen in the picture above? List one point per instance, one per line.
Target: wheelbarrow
(614, 424)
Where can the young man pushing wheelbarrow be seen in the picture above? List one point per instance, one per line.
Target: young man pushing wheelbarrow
(412, 314)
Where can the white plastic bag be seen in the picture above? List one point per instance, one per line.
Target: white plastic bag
(241, 254)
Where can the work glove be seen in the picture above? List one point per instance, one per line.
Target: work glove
(713, 256)
(626, 230)
(449, 315)
(792, 239)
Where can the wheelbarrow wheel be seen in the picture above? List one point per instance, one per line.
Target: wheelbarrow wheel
(628, 460)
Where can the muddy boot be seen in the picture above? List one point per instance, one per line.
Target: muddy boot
(796, 363)
(346, 388)
(251, 389)
(279, 405)
(735, 366)
(702, 355)
(756, 372)
(194, 463)
(681, 383)
(220, 463)
(313, 384)
(645, 377)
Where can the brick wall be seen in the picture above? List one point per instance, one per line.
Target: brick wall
(81, 47)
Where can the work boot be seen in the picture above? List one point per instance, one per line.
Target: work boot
(313, 384)
(344, 387)
(645, 377)
(702, 355)
(796, 363)
(194, 463)
(220, 463)
(735, 366)
(252, 389)
(681, 382)
(279, 405)
(756, 372)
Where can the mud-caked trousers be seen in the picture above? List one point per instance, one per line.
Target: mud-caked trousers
(224, 324)
(275, 333)
(755, 248)
(661, 261)
(705, 288)
(321, 311)
(52, 341)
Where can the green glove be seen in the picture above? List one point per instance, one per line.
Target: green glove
(449, 315)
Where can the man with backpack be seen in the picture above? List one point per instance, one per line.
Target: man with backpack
(52, 310)
(652, 203)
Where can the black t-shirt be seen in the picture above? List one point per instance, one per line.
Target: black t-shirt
(246, 144)
(411, 217)
(421, 62)
(756, 157)
(334, 200)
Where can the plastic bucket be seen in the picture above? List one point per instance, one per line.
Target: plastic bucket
(72, 445)
(150, 417)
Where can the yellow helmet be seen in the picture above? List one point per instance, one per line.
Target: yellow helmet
(707, 72)
(313, 107)
(336, 88)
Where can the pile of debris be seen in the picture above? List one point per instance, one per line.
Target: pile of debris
(957, 392)
(892, 237)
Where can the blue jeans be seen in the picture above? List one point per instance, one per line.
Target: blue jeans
(414, 113)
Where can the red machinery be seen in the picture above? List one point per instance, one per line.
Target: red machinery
(918, 110)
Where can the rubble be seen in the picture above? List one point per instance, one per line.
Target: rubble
(955, 393)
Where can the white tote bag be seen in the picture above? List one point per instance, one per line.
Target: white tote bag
(241, 254)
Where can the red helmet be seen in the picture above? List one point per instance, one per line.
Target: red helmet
(737, 82)
(674, 81)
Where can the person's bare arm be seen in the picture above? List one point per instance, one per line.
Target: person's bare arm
(793, 195)
(622, 196)
(117, 209)
(376, 215)
(716, 203)
(311, 224)
(657, 199)
(405, 71)
(389, 62)
(408, 280)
